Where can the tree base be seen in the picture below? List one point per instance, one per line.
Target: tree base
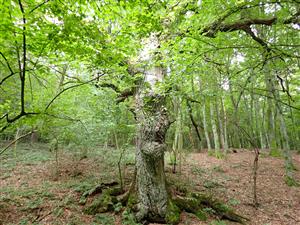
(200, 204)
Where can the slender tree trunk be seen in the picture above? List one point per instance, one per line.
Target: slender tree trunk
(260, 124)
(235, 103)
(270, 113)
(289, 166)
(225, 126)
(214, 128)
(16, 142)
(190, 110)
(220, 126)
(205, 127)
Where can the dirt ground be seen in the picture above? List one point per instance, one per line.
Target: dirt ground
(36, 190)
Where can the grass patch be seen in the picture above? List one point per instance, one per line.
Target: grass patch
(276, 153)
(218, 169)
(210, 184)
(234, 202)
(198, 171)
(104, 219)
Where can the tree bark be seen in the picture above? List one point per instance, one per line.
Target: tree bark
(153, 123)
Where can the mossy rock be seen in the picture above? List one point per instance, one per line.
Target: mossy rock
(173, 213)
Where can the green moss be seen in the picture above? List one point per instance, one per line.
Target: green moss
(201, 215)
(173, 213)
(189, 204)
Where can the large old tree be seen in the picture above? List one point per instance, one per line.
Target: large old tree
(155, 37)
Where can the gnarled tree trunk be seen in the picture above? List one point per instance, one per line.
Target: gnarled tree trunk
(153, 123)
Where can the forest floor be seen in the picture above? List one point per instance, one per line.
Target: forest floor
(34, 189)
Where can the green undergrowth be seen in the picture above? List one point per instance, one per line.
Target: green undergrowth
(277, 153)
(291, 182)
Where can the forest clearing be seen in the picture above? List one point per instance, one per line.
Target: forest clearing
(150, 112)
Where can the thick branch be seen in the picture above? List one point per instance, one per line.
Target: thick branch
(122, 95)
(245, 25)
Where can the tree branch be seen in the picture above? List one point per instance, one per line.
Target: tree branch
(68, 88)
(7, 63)
(38, 6)
(10, 144)
(245, 25)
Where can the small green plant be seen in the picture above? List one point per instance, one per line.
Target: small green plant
(104, 219)
(234, 202)
(291, 182)
(218, 169)
(217, 222)
(210, 153)
(210, 184)
(219, 155)
(198, 170)
(201, 215)
(118, 207)
(128, 218)
(34, 204)
(209, 210)
(276, 153)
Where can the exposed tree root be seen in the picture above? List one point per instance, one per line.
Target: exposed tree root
(196, 202)
(199, 204)
(97, 190)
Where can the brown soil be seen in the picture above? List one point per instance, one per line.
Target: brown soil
(229, 179)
